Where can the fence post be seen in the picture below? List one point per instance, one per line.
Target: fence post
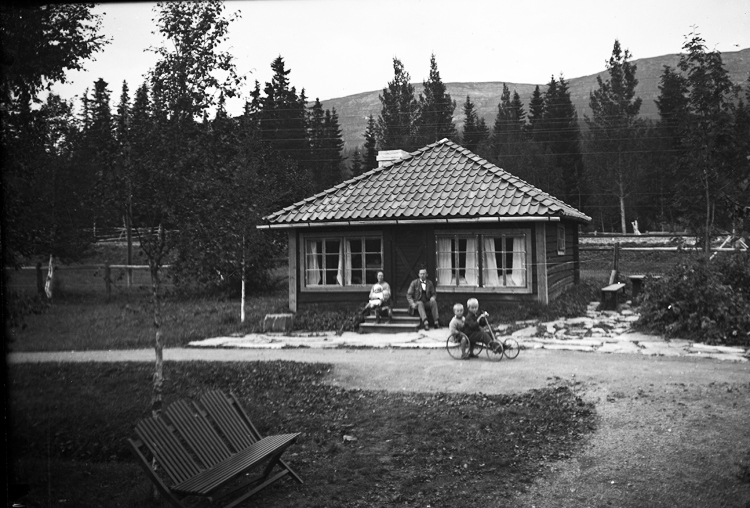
(39, 279)
(107, 280)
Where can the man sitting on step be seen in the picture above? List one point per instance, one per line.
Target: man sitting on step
(421, 295)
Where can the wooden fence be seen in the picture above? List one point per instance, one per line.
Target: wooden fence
(93, 278)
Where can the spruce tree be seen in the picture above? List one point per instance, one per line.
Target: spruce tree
(283, 116)
(615, 131)
(475, 129)
(399, 116)
(711, 170)
(316, 135)
(536, 112)
(356, 166)
(370, 160)
(332, 147)
(561, 136)
(123, 114)
(435, 109)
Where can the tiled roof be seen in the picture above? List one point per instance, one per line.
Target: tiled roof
(440, 181)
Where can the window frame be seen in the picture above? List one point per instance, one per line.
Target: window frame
(341, 237)
(561, 240)
(479, 236)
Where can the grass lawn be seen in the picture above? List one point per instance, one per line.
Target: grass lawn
(86, 322)
(81, 321)
(69, 424)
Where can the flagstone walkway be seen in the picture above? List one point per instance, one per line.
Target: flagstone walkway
(606, 332)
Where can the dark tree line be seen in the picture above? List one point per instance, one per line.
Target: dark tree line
(688, 170)
(152, 157)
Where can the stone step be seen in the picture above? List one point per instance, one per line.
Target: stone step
(392, 327)
(397, 318)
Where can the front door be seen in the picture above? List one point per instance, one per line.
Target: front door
(410, 254)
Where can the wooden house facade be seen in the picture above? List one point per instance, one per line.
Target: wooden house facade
(478, 230)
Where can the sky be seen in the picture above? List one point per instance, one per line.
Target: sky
(337, 48)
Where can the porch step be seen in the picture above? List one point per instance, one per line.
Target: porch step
(397, 318)
(401, 322)
(392, 327)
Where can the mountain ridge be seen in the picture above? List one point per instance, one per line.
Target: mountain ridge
(354, 109)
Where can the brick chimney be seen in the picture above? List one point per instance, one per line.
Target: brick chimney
(386, 156)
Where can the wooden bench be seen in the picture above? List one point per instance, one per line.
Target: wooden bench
(207, 449)
(609, 295)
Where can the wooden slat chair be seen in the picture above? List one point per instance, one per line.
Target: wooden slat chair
(235, 424)
(200, 462)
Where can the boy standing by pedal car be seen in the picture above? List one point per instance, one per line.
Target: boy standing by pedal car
(473, 326)
(457, 327)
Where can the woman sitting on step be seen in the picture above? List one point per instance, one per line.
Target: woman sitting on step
(380, 299)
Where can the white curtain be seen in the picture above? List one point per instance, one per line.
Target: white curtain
(471, 262)
(518, 275)
(340, 271)
(313, 268)
(490, 263)
(444, 262)
(348, 261)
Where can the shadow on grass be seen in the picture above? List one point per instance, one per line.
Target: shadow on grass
(69, 424)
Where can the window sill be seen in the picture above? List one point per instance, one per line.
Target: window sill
(491, 290)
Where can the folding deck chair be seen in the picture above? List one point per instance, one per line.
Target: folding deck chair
(208, 450)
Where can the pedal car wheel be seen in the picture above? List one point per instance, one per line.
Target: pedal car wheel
(478, 348)
(453, 345)
(511, 348)
(495, 351)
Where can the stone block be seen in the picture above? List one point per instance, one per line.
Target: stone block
(278, 322)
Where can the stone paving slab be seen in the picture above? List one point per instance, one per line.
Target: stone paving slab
(619, 347)
(564, 347)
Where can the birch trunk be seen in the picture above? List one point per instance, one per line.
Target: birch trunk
(50, 277)
(707, 233)
(156, 394)
(242, 298)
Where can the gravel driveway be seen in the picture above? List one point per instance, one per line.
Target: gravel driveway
(673, 431)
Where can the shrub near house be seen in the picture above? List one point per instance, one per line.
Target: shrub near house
(702, 300)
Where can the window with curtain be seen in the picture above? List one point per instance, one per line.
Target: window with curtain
(505, 261)
(342, 261)
(457, 261)
(482, 260)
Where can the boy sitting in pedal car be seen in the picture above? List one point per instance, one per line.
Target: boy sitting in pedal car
(473, 326)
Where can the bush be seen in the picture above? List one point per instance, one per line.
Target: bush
(572, 302)
(20, 305)
(701, 300)
(319, 318)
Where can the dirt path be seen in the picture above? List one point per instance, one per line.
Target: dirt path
(673, 430)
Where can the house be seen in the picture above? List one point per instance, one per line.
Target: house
(478, 230)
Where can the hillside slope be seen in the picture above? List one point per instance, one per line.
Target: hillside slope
(354, 109)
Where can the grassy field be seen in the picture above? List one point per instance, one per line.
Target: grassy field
(69, 424)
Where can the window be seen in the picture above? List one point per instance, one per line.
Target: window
(505, 261)
(487, 260)
(457, 261)
(560, 239)
(342, 261)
